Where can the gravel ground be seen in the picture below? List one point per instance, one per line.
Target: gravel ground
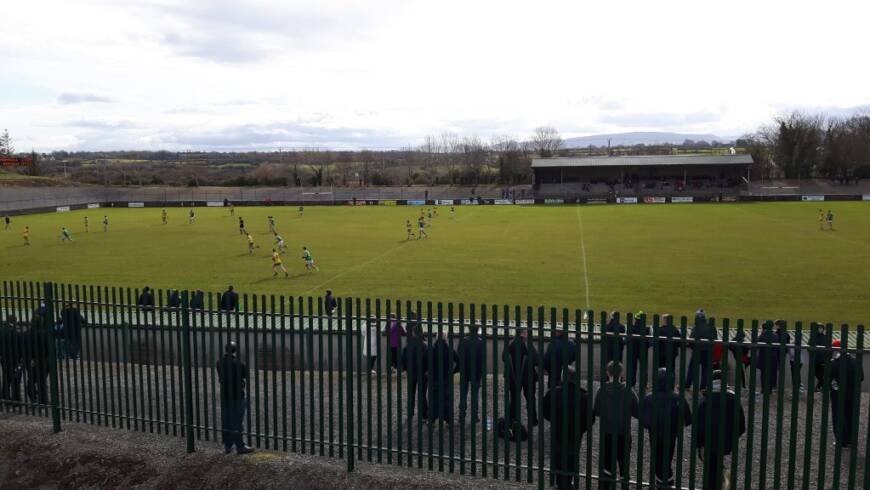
(386, 428)
(84, 456)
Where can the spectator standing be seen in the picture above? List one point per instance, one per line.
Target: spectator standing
(767, 357)
(369, 340)
(819, 357)
(614, 340)
(615, 405)
(561, 352)
(442, 362)
(229, 300)
(394, 333)
(727, 421)
(471, 371)
(566, 407)
(702, 351)
(10, 357)
(72, 321)
(638, 345)
(521, 370)
(740, 357)
(174, 300)
(667, 345)
(330, 303)
(415, 362)
(660, 414)
(146, 299)
(846, 377)
(197, 302)
(233, 376)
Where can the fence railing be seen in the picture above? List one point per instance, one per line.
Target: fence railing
(499, 392)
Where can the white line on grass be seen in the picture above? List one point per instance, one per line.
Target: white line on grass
(354, 268)
(583, 253)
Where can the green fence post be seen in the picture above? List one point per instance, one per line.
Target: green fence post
(348, 353)
(48, 323)
(187, 369)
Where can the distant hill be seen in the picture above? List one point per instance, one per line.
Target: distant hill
(637, 138)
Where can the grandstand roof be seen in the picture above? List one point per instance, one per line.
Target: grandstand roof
(642, 161)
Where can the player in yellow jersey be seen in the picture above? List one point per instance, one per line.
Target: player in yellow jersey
(86, 224)
(164, 217)
(278, 264)
(26, 235)
(821, 219)
(251, 245)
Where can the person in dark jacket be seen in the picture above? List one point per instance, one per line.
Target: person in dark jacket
(415, 362)
(846, 377)
(702, 353)
(767, 357)
(442, 361)
(561, 353)
(329, 302)
(566, 407)
(232, 376)
(174, 300)
(197, 301)
(667, 344)
(613, 342)
(664, 413)
(522, 373)
(819, 358)
(10, 360)
(615, 405)
(72, 321)
(727, 422)
(229, 300)
(36, 343)
(638, 344)
(739, 354)
(471, 371)
(146, 299)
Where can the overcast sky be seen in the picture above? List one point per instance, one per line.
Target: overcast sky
(222, 75)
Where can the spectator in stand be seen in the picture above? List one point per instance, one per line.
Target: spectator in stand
(615, 405)
(637, 348)
(229, 300)
(702, 351)
(767, 357)
(521, 373)
(329, 302)
(232, 376)
(846, 377)
(566, 407)
(667, 344)
(146, 299)
(369, 340)
(442, 364)
(727, 424)
(664, 413)
(561, 352)
(415, 362)
(614, 340)
(819, 357)
(73, 321)
(394, 333)
(471, 371)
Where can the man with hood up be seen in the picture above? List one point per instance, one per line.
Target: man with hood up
(613, 342)
(819, 358)
(767, 357)
(415, 361)
(638, 343)
(702, 353)
(667, 344)
(664, 413)
(442, 362)
(846, 377)
(565, 406)
(615, 405)
(561, 352)
(521, 370)
(727, 421)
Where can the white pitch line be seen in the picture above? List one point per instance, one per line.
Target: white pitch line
(583, 250)
(354, 268)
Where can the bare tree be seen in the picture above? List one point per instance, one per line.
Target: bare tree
(546, 141)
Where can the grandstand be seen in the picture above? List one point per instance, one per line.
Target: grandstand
(691, 175)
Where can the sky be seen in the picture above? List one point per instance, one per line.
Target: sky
(227, 75)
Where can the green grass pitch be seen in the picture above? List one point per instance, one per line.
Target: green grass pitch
(754, 260)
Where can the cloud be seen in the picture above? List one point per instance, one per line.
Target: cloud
(102, 125)
(82, 98)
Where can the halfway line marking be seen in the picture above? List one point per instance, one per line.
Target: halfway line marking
(583, 253)
(354, 268)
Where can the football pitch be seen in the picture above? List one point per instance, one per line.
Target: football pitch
(752, 260)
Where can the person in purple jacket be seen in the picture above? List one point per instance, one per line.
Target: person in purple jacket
(394, 331)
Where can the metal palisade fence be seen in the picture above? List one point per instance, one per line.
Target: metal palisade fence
(498, 392)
